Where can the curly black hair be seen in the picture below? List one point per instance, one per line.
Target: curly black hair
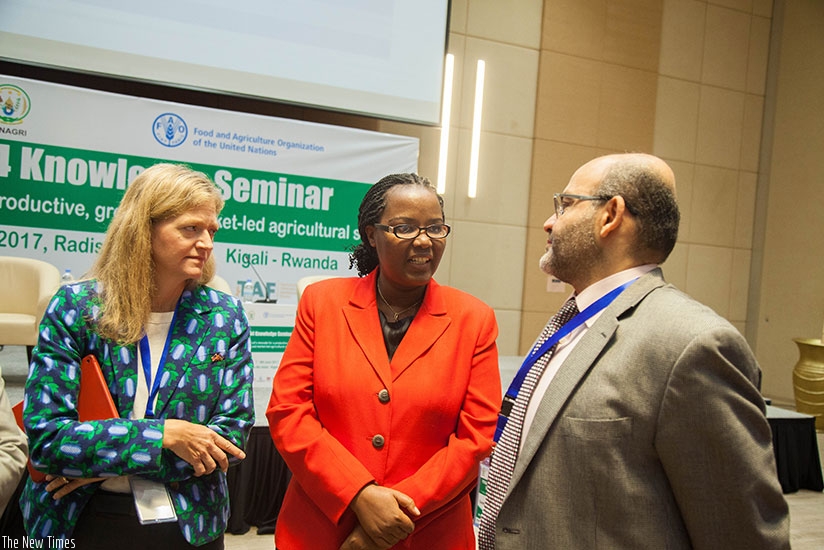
(364, 256)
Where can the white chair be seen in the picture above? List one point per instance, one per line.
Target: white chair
(219, 283)
(26, 286)
(303, 282)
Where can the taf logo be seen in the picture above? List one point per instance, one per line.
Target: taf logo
(14, 104)
(170, 130)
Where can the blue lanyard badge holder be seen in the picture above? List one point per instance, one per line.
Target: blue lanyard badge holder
(515, 386)
(151, 498)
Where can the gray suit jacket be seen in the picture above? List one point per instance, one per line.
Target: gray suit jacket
(652, 435)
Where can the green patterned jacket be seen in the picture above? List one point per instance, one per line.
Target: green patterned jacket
(207, 380)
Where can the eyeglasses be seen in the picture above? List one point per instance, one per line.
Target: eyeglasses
(406, 231)
(565, 200)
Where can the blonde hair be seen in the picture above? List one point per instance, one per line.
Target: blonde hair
(125, 267)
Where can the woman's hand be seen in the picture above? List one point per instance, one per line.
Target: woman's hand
(199, 445)
(62, 486)
(380, 511)
(359, 540)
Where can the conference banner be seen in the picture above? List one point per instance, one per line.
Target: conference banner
(292, 188)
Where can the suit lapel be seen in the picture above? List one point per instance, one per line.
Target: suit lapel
(561, 388)
(188, 333)
(429, 324)
(576, 367)
(123, 365)
(362, 318)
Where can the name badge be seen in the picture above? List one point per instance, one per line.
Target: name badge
(152, 501)
(480, 492)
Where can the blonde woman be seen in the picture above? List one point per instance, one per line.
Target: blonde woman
(176, 358)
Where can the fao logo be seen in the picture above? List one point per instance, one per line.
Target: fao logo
(170, 130)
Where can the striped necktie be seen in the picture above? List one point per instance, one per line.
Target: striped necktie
(506, 450)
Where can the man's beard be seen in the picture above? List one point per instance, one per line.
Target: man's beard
(572, 253)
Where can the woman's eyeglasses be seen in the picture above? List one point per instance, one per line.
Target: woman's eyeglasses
(406, 231)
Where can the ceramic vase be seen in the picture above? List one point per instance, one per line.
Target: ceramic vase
(808, 379)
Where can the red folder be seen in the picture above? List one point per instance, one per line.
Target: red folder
(94, 402)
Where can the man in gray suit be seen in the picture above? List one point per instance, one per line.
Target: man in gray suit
(646, 428)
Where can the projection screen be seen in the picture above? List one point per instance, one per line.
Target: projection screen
(382, 58)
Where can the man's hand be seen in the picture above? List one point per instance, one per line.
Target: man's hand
(380, 512)
(199, 445)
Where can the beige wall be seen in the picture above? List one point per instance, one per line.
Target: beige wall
(683, 79)
(485, 254)
(568, 80)
(788, 299)
(596, 94)
(571, 79)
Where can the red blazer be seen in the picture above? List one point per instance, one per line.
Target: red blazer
(328, 413)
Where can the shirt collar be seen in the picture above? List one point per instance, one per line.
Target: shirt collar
(594, 291)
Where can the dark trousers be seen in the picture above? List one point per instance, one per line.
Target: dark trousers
(109, 520)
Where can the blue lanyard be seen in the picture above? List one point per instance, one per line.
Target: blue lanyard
(539, 351)
(146, 359)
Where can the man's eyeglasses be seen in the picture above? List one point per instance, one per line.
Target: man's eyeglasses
(406, 231)
(565, 200)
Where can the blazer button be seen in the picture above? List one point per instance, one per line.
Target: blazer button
(378, 441)
(383, 396)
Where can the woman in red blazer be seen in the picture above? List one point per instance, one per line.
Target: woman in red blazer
(387, 395)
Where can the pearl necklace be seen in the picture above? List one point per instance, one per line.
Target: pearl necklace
(395, 313)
